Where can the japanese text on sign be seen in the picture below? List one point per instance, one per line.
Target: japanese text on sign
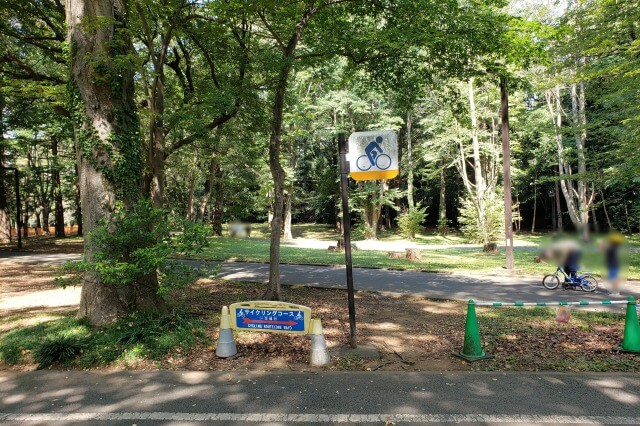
(270, 317)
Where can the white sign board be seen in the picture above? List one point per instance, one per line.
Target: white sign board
(373, 155)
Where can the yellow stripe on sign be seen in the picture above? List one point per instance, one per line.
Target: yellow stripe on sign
(375, 174)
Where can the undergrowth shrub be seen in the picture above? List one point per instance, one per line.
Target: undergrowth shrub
(141, 242)
(58, 349)
(487, 229)
(69, 341)
(410, 221)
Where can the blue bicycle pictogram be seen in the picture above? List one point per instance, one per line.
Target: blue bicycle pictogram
(375, 156)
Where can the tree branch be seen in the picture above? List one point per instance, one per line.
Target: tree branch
(30, 73)
(272, 31)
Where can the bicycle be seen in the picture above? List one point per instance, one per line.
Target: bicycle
(364, 163)
(586, 282)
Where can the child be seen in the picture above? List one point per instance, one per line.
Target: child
(612, 262)
(563, 252)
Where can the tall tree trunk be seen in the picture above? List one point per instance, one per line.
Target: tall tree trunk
(106, 121)
(564, 169)
(626, 215)
(288, 235)
(558, 204)
(604, 207)
(373, 210)
(506, 162)
(213, 174)
(277, 173)
(155, 181)
(286, 232)
(25, 218)
(275, 139)
(37, 214)
(218, 208)
(156, 144)
(57, 190)
(480, 184)
(5, 221)
(535, 207)
(442, 208)
(190, 197)
(410, 199)
(208, 186)
(580, 130)
(78, 204)
(387, 217)
(46, 215)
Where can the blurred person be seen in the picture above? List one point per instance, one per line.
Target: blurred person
(566, 252)
(611, 250)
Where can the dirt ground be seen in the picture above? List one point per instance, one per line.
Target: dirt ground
(409, 333)
(47, 244)
(29, 295)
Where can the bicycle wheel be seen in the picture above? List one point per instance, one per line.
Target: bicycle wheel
(589, 283)
(383, 162)
(550, 282)
(363, 163)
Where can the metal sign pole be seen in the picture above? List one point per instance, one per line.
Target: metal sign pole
(18, 210)
(346, 228)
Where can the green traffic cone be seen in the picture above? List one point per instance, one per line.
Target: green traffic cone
(472, 350)
(631, 336)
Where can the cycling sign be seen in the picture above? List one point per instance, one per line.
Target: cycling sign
(373, 155)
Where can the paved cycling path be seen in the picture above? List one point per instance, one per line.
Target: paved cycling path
(435, 285)
(317, 398)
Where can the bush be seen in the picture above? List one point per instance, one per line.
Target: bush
(410, 221)
(72, 342)
(139, 242)
(491, 228)
(59, 348)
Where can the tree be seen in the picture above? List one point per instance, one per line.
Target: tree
(109, 147)
(285, 25)
(187, 39)
(484, 165)
(5, 222)
(32, 73)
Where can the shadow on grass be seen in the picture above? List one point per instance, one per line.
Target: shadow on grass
(70, 342)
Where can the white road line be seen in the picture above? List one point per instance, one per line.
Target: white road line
(321, 418)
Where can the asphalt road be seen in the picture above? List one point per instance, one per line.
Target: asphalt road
(435, 285)
(287, 398)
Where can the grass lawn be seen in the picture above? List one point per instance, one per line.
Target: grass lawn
(438, 260)
(468, 258)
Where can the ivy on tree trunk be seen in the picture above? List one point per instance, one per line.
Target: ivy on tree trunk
(109, 149)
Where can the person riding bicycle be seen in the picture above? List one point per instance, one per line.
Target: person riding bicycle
(566, 253)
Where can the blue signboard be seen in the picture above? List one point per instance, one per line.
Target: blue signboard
(269, 319)
(268, 316)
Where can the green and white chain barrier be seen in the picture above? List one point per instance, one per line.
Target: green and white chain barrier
(580, 303)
